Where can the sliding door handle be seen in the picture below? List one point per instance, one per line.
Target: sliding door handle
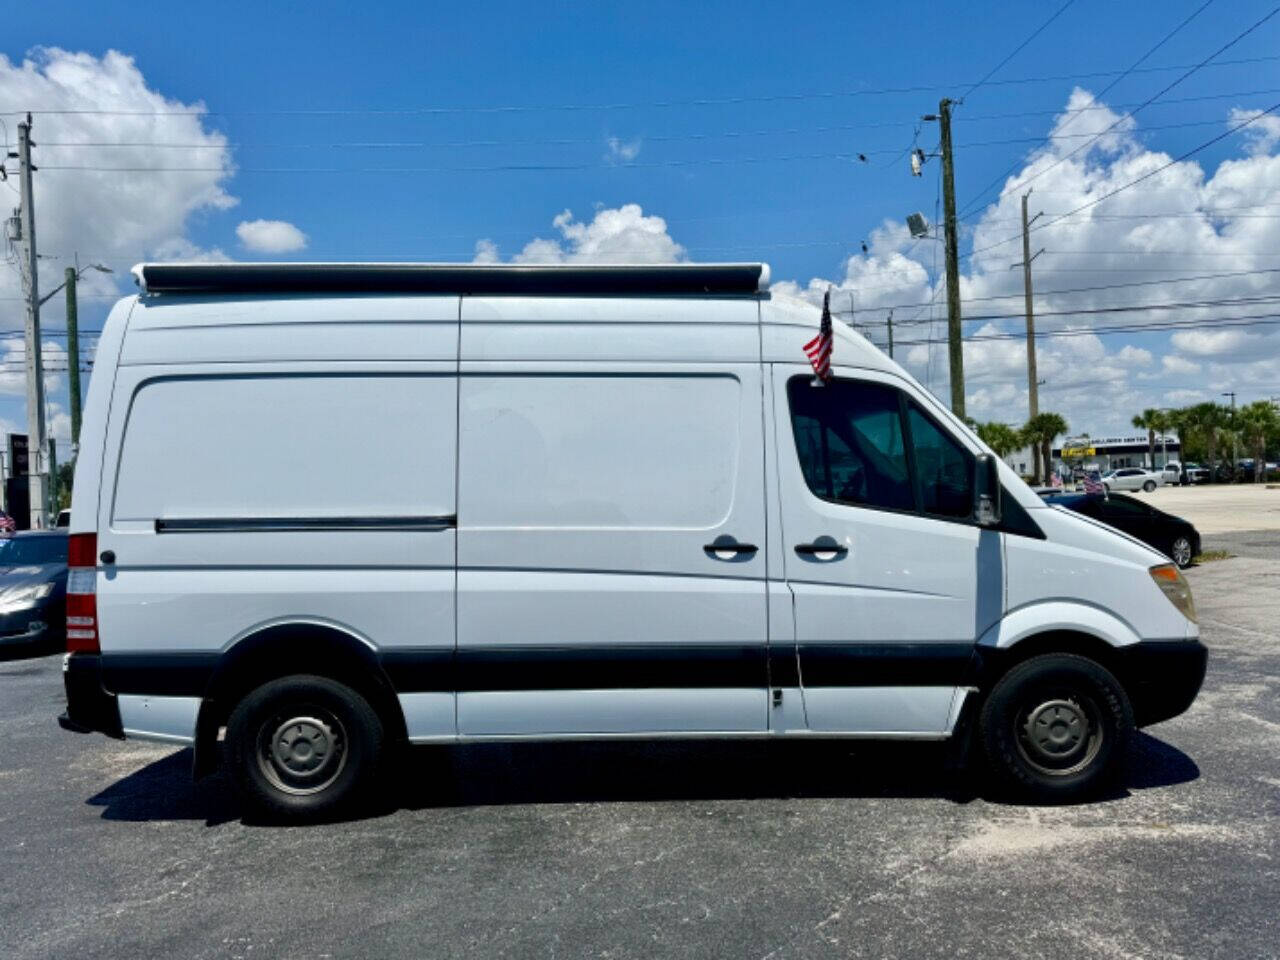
(825, 545)
(731, 546)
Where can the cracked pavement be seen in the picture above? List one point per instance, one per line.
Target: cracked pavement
(750, 850)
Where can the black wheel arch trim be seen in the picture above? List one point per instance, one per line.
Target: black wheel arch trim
(264, 654)
(1160, 677)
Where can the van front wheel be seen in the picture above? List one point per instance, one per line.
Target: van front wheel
(301, 747)
(1057, 727)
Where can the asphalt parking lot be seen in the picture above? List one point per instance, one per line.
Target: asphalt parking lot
(689, 850)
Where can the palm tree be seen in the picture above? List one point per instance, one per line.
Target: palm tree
(1000, 437)
(1259, 425)
(1039, 432)
(1210, 420)
(1162, 423)
(1146, 420)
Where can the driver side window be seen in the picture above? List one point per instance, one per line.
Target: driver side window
(850, 442)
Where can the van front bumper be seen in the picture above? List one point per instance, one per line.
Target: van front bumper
(90, 709)
(1162, 677)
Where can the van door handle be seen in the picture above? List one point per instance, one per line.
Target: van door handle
(810, 549)
(726, 545)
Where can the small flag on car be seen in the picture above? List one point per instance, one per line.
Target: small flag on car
(818, 350)
(1093, 483)
(7, 524)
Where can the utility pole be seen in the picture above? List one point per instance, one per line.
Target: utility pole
(1033, 387)
(954, 333)
(1234, 451)
(73, 360)
(35, 368)
(890, 321)
(1033, 383)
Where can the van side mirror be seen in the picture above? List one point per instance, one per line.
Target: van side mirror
(986, 491)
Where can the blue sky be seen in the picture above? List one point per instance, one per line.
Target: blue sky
(759, 171)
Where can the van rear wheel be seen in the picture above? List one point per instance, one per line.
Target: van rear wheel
(303, 747)
(1057, 727)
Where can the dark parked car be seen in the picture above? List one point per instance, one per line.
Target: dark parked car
(33, 589)
(1172, 536)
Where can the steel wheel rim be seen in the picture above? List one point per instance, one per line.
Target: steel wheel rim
(1060, 734)
(1182, 551)
(302, 751)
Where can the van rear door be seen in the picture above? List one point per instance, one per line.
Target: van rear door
(891, 579)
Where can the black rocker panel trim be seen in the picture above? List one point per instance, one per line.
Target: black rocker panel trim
(630, 666)
(885, 664)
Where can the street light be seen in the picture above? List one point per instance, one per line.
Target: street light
(73, 346)
(79, 272)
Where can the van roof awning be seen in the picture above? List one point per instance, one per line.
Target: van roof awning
(687, 279)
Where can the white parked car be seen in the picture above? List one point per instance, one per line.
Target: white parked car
(1132, 478)
(1171, 473)
(584, 503)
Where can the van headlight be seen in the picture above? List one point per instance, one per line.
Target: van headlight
(1174, 586)
(24, 598)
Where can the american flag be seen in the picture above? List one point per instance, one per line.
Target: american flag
(818, 350)
(1093, 483)
(7, 524)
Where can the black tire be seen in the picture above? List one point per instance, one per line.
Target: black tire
(1180, 552)
(1086, 719)
(1149, 486)
(303, 747)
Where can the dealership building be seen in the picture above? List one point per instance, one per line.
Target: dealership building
(1111, 453)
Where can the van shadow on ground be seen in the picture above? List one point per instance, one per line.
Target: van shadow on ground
(508, 774)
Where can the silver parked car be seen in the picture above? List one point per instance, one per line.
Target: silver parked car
(1131, 478)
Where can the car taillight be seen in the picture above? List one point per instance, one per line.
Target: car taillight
(82, 599)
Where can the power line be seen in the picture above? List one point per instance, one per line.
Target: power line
(659, 104)
(1018, 49)
(1096, 97)
(1049, 293)
(567, 141)
(1134, 308)
(649, 138)
(1133, 183)
(1128, 115)
(1266, 319)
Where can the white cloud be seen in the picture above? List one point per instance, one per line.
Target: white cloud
(622, 151)
(271, 236)
(1208, 343)
(1182, 222)
(117, 217)
(106, 213)
(1176, 365)
(1261, 135)
(621, 235)
(486, 252)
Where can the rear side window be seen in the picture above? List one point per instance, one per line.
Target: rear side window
(850, 442)
(288, 446)
(864, 444)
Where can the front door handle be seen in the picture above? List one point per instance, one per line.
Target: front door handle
(826, 545)
(729, 545)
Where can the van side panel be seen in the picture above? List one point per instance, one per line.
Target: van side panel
(590, 493)
(306, 490)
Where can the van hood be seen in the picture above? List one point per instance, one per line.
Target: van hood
(1072, 529)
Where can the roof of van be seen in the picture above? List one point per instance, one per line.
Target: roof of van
(688, 279)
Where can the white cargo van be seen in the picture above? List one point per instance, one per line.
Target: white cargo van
(324, 510)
